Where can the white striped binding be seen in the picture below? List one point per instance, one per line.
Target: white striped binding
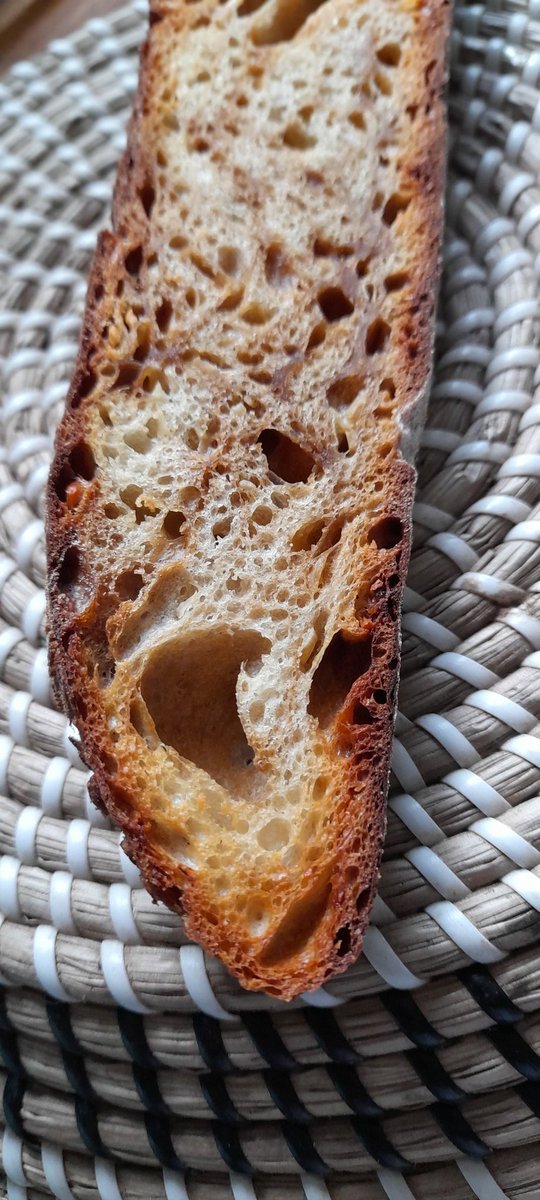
(106, 1179)
(480, 1179)
(52, 1159)
(116, 977)
(12, 1160)
(463, 933)
(504, 838)
(451, 739)
(437, 873)
(45, 967)
(241, 1188)
(193, 968)
(387, 963)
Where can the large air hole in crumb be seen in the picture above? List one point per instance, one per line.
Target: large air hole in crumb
(343, 662)
(285, 19)
(377, 335)
(196, 713)
(286, 459)
(334, 304)
(300, 923)
(343, 391)
(386, 533)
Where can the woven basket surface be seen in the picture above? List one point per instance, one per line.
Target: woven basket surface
(134, 1066)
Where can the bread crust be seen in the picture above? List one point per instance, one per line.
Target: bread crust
(323, 899)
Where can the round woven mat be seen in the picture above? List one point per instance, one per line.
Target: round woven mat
(134, 1067)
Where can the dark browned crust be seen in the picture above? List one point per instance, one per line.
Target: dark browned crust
(340, 933)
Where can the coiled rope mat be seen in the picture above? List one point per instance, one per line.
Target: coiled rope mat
(133, 1067)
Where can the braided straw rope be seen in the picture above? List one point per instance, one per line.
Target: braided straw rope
(457, 920)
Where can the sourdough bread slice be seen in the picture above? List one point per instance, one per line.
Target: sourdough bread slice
(229, 506)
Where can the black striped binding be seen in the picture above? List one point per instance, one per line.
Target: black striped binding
(367, 1117)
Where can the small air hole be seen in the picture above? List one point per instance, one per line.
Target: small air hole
(275, 265)
(362, 267)
(85, 384)
(389, 54)
(396, 281)
(221, 528)
(334, 304)
(127, 375)
(164, 315)
(343, 941)
(69, 569)
(286, 459)
(327, 248)
(388, 385)
(383, 83)
(361, 715)
(386, 533)
(316, 337)
(147, 196)
(129, 584)
(377, 336)
(249, 6)
(297, 137)
(256, 314)
(379, 696)
(229, 259)
(172, 523)
(133, 260)
(396, 204)
(342, 393)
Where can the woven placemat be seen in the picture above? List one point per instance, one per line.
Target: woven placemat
(134, 1066)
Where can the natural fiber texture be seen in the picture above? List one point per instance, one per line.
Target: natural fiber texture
(435, 1059)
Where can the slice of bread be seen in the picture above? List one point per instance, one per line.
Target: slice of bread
(229, 507)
